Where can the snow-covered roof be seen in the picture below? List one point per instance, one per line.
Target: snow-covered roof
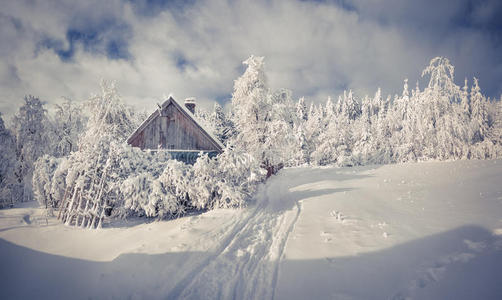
(185, 111)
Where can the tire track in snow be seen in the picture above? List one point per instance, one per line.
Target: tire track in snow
(246, 265)
(187, 279)
(283, 247)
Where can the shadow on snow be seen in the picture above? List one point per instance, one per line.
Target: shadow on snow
(441, 266)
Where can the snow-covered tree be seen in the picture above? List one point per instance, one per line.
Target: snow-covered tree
(441, 73)
(464, 100)
(362, 151)
(204, 117)
(479, 114)
(350, 107)
(29, 124)
(110, 117)
(223, 126)
(312, 130)
(92, 181)
(8, 182)
(301, 151)
(329, 110)
(250, 98)
(495, 132)
(47, 182)
(259, 117)
(335, 133)
(301, 155)
(301, 110)
(67, 125)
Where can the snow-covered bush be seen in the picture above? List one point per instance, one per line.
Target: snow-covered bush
(47, 177)
(229, 180)
(175, 182)
(238, 174)
(137, 191)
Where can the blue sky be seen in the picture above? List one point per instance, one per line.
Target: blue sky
(56, 48)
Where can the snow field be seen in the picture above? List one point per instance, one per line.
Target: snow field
(397, 232)
(409, 231)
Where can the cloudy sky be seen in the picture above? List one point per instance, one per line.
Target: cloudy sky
(56, 48)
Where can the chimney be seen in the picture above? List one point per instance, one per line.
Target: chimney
(190, 104)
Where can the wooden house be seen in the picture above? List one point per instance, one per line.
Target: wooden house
(173, 128)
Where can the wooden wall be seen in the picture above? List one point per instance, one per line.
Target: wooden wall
(172, 129)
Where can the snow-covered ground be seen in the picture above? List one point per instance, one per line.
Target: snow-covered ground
(410, 231)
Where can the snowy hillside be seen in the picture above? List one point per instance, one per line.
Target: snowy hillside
(420, 230)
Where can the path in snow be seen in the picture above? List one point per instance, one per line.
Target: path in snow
(246, 265)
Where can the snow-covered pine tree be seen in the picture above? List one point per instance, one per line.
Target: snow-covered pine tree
(301, 111)
(495, 133)
(223, 126)
(377, 103)
(205, 118)
(381, 130)
(311, 130)
(351, 108)
(441, 73)
(362, 152)
(402, 102)
(329, 111)
(335, 139)
(326, 132)
(484, 146)
(464, 100)
(402, 148)
(439, 102)
(259, 117)
(301, 153)
(8, 182)
(479, 114)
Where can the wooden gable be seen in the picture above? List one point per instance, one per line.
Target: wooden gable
(173, 127)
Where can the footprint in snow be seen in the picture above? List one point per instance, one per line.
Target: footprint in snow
(338, 215)
(381, 225)
(435, 271)
(328, 237)
(330, 260)
(26, 219)
(179, 247)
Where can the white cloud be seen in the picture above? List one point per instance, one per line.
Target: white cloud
(314, 49)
